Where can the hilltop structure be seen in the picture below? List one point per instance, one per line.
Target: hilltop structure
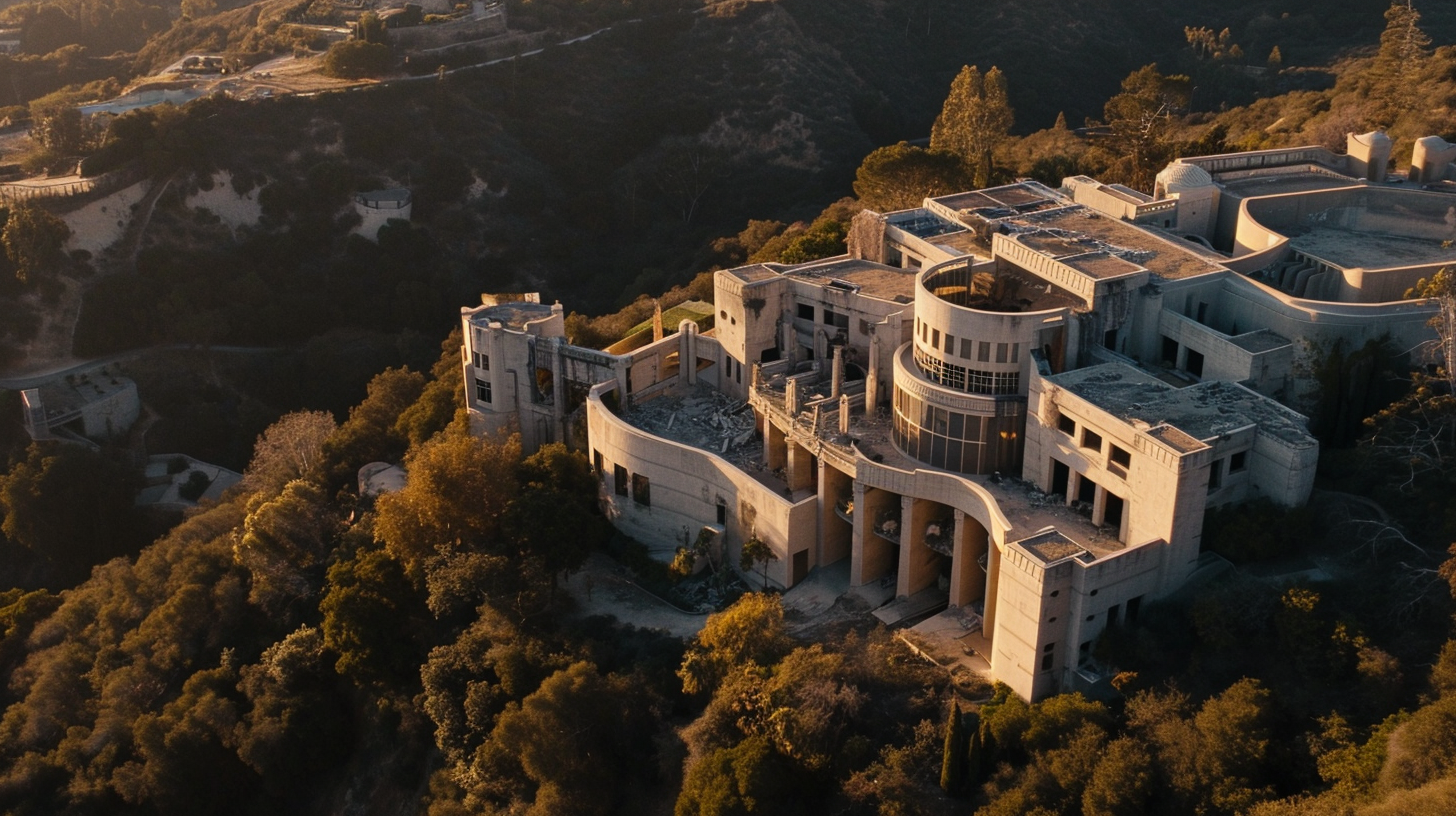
(1017, 401)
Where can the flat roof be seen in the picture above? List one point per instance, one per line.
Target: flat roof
(1279, 184)
(1261, 340)
(1050, 546)
(870, 279)
(753, 272)
(510, 315)
(1203, 411)
(1003, 202)
(1362, 249)
(1069, 229)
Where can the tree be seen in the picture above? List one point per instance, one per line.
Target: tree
(367, 606)
(1123, 781)
(737, 781)
(975, 118)
(456, 499)
(33, 239)
(355, 59)
(953, 756)
(291, 448)
(751, 631)
(580, 755)
(900, 176)
(282, 538)
(1140, 117)
(1404, 47)
(372, 433)
(756, 551)
(70, 506)
(59, 128)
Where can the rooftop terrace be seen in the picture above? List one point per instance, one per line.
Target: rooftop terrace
(511, 315)
(1071, 231)
(867, 277)
(1201, 412)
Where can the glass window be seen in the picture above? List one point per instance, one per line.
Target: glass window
(1015, 352)
(950, 344)
(935, 338)
(965, 348)
(619, 480)
(983, 353)
(641, 490)
(1238, 461)
(482, 391)
(1001, 352)
(806, 311)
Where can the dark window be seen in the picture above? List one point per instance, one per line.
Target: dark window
(722, 513)
(1067, 425)
(1215, 475)
(482, 391)
(1170, 351)
(482, 361)
(1091, 439)
(965, 348)
(828, 316)
(1238, 461)
(983, 353)
(1001, 351)
(1133, 607)
(1109, 340)
(641, 490)
(1048, 654)
(1202, 313)
(1119, 456)
(1194, 364)
(619, 480)
(597, 461)
(806, 311)
(935, 338)
(1112, 614)
(950, 344)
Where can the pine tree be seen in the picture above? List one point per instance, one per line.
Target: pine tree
(1276, 59)
(975, 118)
(953, 759)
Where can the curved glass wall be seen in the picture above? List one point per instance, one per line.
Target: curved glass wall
(949, 439)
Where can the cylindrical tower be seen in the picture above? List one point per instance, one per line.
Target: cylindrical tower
(960, 384)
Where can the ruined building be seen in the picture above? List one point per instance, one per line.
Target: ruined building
(1016, 401)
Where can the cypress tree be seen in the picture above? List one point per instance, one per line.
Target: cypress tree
(953, 759)
(988, 750)
(973, 750)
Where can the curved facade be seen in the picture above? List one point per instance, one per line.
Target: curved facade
(960, 383)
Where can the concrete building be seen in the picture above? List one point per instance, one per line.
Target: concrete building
(1018, 402)
(97, 404)
(379, 207)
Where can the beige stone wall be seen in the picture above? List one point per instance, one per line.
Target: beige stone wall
(686, 487)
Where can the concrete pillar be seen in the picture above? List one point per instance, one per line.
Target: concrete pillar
(857, 536)
(835, 536)
(872, 378)
(917, 562)
(836, 373)
(800, 474)
(791, 398)
(775, 451)
(657, 333)
(993, 574)
(874, 556)
(843, 413)
(788, 341)
(687, 351)
(967, 578)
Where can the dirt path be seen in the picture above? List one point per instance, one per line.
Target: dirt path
(604, 587)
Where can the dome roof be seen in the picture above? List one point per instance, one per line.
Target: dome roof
(1180, 176)
(1373, 139)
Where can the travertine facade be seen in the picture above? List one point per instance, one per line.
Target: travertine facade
(1016, 400)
